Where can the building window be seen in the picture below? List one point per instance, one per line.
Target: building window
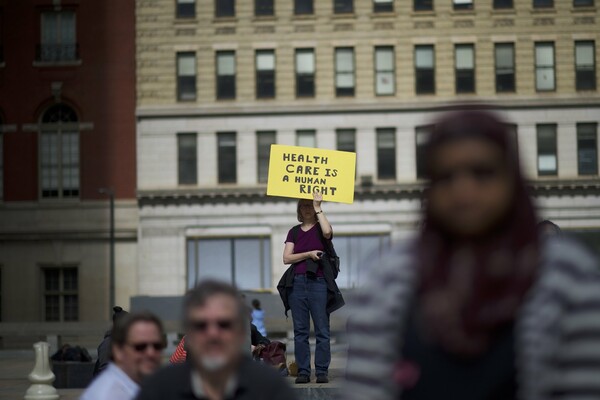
(263, 8)
(505, 67)
(354, 251)
(264, 140)
(225, 75)
(305, 73)
(344, 71)
(543, 3)
(58, 41)
(187, 159)
(465, 68)
(306, 138)
(583, 3)
(227, 155)
(587, 148)
(463, 4)
(386, 153)
(61, 294)
(383, 6)
(242, 261)
(186, 8)
(343, 6)
(303, 7)
(225, 8)
(546, 148)
(346, 139)
(385, 82)
(513, 132)
(265, 74)
(422, 5)
(544, 66)
(421, 138)
(424, 69)
(585, 65)
(59, 153)
(186, 76)
(501, 4)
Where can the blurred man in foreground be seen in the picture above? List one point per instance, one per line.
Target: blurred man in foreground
(216, 328)
(136, 349)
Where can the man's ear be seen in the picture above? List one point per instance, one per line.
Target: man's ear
(116, 353)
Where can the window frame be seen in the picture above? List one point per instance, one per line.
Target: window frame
(512, 70)
(304, 79)
(383, 6)
(61, 293)
(57, 51)
(472, 70)
(304, 7)
(227, 162)
(393, 174)
(185, 162)
(225, 88)
(420, 165)
(542, 4)
(306, 132)
(591, 3)
(462, 5)
(422, 5)
(226, 8)
(181, 83)
(262, 75)
(500, 4)
(343, 6)
(421, 71)
(262, 159)
(539, 68)
(378, 71)
(339, 91)
(183, 12)
(579, 127)
(539, 154)
(579, 71)
(268, 5)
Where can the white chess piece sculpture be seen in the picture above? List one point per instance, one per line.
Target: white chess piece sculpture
(41, 377)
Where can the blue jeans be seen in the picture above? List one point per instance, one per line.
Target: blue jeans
(309, 299)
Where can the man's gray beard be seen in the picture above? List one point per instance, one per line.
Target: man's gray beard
(213, 364)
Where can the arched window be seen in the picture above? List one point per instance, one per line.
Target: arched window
(59, 152)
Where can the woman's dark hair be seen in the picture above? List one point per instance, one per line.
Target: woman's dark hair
(500, 267)
(123, 324)
(298, 213)
(256, 304)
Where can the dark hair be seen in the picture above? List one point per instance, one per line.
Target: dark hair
(199, 295)
(298, 213)
(123, 325)
(547, 224)
(256, 304)
(118, 312)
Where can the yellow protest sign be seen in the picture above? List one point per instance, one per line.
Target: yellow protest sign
(298, 171)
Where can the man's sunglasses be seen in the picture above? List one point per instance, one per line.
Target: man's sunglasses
(141, 347)
(203, 325)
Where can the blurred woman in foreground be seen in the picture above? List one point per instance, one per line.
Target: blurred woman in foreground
(477, 307)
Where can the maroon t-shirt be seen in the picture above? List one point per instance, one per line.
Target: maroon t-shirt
(306, 241)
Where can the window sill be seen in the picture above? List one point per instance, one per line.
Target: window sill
(185, 21)
(424, 13)
(586, 9)
(343, 16)
(264, 18)
(383, 14)
(224, 20)
(462, 13)
(548, 10)
(74, 63)
(186, 101)
(504, 11)
(302, 17)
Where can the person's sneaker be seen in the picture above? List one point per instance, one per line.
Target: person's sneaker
(302, 379)
(322, 379)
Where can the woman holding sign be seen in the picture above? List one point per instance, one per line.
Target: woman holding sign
(308, 286)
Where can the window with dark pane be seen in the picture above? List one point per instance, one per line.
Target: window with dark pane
(465, 68)
(227, 157)
(546, 149)
(543, 3)
(61, 294)
(587, 148)
(225, 8)
(58, 37)
(462, 4)
(505, 67)
(186, 8)
(305, 73)
(264, 8)
(585, 65)
(503, 4)
(346, 140)
(544, 66)
(306, 138)
(385, 79)
(265, 74)
(343, 6)
(186, 76)
(422, 134)
(422, 5)
(225, 75)
(424, 69)
(583, 3)
(264, 140)
(383, 6)
(344, 71)
(386, 153)
(187, 159)
(303, 7)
